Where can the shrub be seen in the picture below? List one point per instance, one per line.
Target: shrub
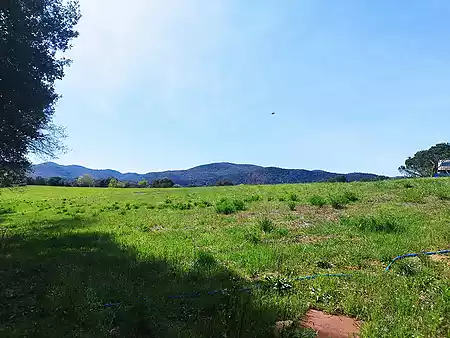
(350, 196)
(253, 236)
(225, 182)
(317, 201)
(266, 224)
(292, 205)
(384, 224)
(408, 185)
(338, 179)
(337, 203)
(162, 183)
(227, 206)
(293, 197)
(253, 198)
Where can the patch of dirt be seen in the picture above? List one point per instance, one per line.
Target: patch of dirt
(441, 258)
(325, 213)
(311, 239)
(331, 326)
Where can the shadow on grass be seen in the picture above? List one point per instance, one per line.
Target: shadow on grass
(57, 285)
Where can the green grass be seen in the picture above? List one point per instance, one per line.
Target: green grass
(66, 252)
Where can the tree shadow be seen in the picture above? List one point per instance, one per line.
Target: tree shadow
(85, 285)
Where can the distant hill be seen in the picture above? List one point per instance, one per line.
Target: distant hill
(207, 174)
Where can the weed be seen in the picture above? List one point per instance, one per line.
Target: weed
(337, 203)
(279, 283)
(408, 185)
(317, 201)
(253, 198)
(324, 264)
(281, 232)
(384, 224)
(292, 205)
(350, 196)
(4, 211)
(293, 197)
(228, 206)
(253, 236)
(265, 224)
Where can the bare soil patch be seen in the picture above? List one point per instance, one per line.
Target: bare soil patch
(330, 325)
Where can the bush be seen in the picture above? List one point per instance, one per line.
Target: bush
(338, 179)
(253, 236)
(384, 224)
(350, 196)
(292, 205)
(293, 197)
(221, 183)
(227, 206)
(317, 201)
(162, 183)
(266, 224)
(253, 198)
(339, 201)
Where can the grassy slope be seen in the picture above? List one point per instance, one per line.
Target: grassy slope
(68, 251)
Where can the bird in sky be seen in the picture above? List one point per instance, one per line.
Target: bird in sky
(273, 113)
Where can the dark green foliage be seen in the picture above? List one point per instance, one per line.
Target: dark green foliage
(324, 264)
(143, 183)
(6, 210)
(162, 183)
(253, 198)
(424, 163)
(55, 181)
(408, 185)
(224, 182)
(317, 201)
(205, 260)
(339, 201)
(384, 224)
(293, 197)
(266, 224)
(279, 283)
(338, 179)
(350, 196)
(227, 206)
(292, 205)
(253, 236)
(32, 36)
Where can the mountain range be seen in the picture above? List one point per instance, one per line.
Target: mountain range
(207, 174)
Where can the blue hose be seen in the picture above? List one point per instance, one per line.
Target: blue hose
(415, 255)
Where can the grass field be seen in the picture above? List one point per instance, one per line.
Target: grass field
(66, 252)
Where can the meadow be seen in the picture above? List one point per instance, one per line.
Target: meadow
(223, 261)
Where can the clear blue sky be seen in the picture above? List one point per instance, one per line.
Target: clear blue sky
(356, 85)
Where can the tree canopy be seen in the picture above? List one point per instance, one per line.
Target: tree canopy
(424, 163)
(33, 33)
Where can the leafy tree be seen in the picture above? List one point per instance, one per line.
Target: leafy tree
(33, 33)
(143, 183)
(224, 183)
(113, 183)
(55, 181)
(424, 163)
(163, 183)
(40, 181)
(102, 183)
(85, 181)
(339, 179)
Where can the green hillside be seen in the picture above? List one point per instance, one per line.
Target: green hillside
(88, 262)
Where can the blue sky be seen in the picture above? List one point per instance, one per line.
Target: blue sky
(356, 85)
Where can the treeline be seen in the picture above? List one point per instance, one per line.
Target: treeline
(88, 181)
